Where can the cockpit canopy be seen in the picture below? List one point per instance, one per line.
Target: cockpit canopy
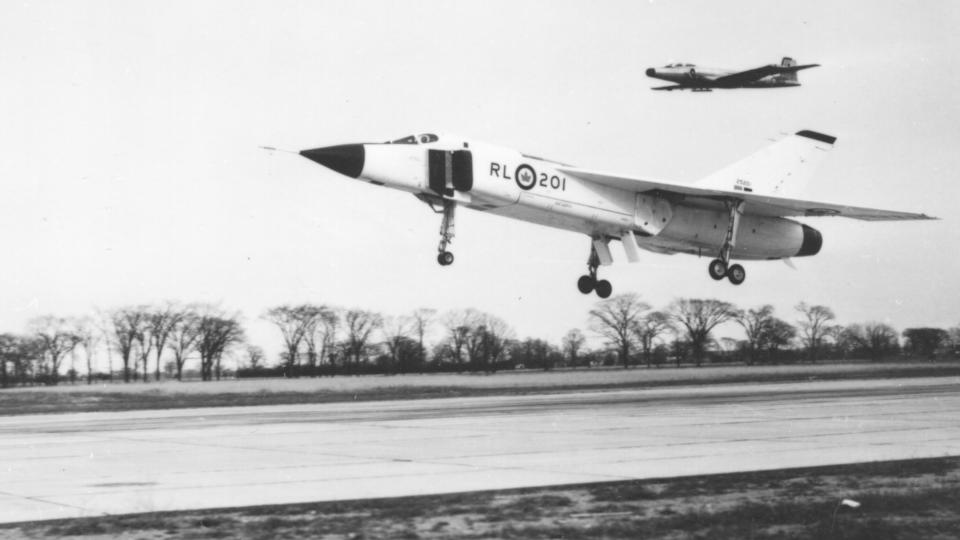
(679, 65)
(423, 138)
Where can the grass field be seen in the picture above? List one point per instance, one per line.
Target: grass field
(915, 499)
(172, 394)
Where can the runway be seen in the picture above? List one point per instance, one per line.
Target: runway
(71, 465)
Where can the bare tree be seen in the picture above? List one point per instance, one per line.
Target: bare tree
(88, 338)
(458, 324)
(497, 336)
(533, 352)
(317, 321)
(56, 339)
(779, 334)
(925, 341)
(573, 342)
(615, 319)
(144, 344)
(485, 340)
(648, 328)
(814, 326)
(422, 318)
(216, 333)
(160, 323)
(295, 323)
(255, 357)
(329, 326)
(103, 322)
(756, 324)
(9, 347)
(698, 317)
(359, 326)
(127, 327)
(876, 339)
(183, 338)
(24, 354)
(396, 330)
(843, 342)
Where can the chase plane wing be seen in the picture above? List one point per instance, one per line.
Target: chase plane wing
(750, 75)
(670, 87)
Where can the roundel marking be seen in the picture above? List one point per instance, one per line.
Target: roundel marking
(525, 177)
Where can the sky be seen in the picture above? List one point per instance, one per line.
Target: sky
(131, 172)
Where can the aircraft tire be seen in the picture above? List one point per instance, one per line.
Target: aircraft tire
(445, 258)
(586, 284)
(736, 274)
(717, 269)
(604, 288)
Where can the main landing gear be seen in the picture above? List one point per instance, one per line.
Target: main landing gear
(444, 257)
(720, 268)
(589, 283)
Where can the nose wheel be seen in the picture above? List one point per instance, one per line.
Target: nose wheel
(589, 283)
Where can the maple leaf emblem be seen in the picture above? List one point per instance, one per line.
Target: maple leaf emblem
(525, 176)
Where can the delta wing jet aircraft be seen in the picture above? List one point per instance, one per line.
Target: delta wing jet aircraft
(739, 212)
(704, 79)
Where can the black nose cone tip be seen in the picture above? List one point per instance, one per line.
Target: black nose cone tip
(812, 242)
(651, 72)
(346, 159)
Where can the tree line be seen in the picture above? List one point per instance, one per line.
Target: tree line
(151, 342)
(684, 330)
(137, 338)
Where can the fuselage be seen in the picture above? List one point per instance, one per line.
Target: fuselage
(508, 183)
(706, 77)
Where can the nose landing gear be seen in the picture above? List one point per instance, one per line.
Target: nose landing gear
(589, 283)
(444, 257)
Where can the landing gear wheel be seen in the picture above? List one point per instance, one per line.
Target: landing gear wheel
(589, 283)
(736, 274)
(445, 258)
(604, 288)
(586, 284)
(718, 269)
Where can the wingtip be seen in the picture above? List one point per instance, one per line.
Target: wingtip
(817, 136)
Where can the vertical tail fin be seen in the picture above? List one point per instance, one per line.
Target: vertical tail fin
(791, 76)
(781, 169)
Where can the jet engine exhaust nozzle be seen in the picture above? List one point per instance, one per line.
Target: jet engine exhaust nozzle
(812, 242)
(346, 159)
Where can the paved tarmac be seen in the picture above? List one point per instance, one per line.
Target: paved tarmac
(71, 465)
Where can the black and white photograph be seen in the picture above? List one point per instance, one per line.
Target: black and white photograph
(441, 269)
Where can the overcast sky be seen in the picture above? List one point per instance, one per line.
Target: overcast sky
(131, 171)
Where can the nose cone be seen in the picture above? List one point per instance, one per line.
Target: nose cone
(812, 242)
(346, 159)
(651, 72)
